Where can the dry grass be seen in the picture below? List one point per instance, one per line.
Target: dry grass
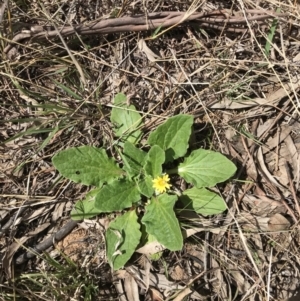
(242, 89)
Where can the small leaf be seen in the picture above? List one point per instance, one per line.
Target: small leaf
(271, 34)
(161, 222)
(85, 209)
(202, 201)
(154, 161)
(67, 90)
(116, 196)
(205, 168)
(122, 237)
(135, 158)
(173, 136)
(87, 165)
(156, 31)
(152, 57)
(146, 186)
(126, 119)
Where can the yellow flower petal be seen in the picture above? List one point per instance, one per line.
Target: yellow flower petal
(161, 184)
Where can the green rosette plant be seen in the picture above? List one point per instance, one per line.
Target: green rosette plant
(140, 188)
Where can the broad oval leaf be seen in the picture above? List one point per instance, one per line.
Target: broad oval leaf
(173, 136)
(145, 186)
(161, 222)
(87, 165)
(154, 161)
(202, 201)
(135, 159)
(122, 237)
(205, 168)
(116, 196)
(126, 120)
(85, 209)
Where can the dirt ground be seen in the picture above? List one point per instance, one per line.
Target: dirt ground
(233, 65)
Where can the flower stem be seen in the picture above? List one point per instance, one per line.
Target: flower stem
(172, 171)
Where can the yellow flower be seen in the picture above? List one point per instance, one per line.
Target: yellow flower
(161, 184)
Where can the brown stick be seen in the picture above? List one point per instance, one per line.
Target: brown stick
(219, 19)
(48, 242)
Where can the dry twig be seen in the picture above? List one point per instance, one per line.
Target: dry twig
(218, 19)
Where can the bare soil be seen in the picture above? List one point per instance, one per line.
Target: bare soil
(235, 71)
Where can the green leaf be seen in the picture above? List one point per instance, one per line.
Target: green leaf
(122, 237)
(205, 168)
(173, 136)
(145, 186)
(161, 222)
(68, 90)
(271, 34)
(135, 158)
(117, 195)
(87, 165)
(126, 120)
(85, 209)
(156, 31)
(154, 161)
(202, 201)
